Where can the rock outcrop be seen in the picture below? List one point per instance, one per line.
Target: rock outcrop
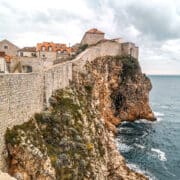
(120, 89)
(74, 137)
(5, 176)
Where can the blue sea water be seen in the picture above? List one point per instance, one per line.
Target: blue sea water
(154, 147)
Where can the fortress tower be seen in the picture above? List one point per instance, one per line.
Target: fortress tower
(92, 37)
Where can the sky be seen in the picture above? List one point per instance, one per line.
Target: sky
(154, 25)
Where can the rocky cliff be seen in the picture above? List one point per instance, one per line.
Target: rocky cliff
(74, 137)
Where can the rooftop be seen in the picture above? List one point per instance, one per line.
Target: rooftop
(55, 47)
(95, 31)
(5, 56)
(28, 49)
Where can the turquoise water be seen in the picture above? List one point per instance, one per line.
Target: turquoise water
(154, 147)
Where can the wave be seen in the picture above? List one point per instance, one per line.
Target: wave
(139, 146)
(139, 170)
(165, 106)
(123, 147)
(161, 154)
(144, 121)
(158, 114)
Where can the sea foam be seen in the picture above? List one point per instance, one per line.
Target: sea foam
(139, 170)
(123, 147)
(139, 146)
(159, 115)
(161, 155)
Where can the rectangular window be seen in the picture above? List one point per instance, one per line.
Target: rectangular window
(5, 47)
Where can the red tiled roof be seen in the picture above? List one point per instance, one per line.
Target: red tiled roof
(95, 31)
(55, 47)
(5, 56)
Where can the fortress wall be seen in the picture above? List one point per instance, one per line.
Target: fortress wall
(57, 77)
(107, 48)
(130, 48)
(22, 95)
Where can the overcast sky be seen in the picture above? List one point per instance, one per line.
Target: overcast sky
(154, 25)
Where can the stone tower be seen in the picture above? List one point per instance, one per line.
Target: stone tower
(92, 37)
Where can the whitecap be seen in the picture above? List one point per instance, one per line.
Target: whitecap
(161, 155)
(159, 119)
(124, 122)
(139, 146)
(144, 121)
(123, 147)
(120, 129)
(139, 170)
(158, 114)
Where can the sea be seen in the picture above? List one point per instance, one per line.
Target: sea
(153, 148)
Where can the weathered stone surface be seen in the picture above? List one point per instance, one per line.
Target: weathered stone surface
(74, 137)
(22, 95)
(77, 131)
(5, 176)
(119, 88)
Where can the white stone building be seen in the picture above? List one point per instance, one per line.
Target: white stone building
(27, 52)
(3, 65)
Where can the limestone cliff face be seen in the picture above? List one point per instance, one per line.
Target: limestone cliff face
(5, 176)
(120, 90)
(74, 137)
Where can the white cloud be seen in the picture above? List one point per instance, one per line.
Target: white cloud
(154, 25)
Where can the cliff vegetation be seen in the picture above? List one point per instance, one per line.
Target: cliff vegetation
(74, 138)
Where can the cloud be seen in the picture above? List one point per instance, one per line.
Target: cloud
(154, 25)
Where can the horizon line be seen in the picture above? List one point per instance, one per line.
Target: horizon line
(162, 74)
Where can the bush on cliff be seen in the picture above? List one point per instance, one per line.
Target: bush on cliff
(130, 66)
(68, 142)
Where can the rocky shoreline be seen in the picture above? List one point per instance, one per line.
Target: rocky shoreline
(75, 137)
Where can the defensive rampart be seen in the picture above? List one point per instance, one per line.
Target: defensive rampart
(22, 95)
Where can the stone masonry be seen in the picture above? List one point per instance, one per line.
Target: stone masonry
(22, 95)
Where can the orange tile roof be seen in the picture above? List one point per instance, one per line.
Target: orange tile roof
(55, 47)
(8, 58)
(95, 31)
(5, 56)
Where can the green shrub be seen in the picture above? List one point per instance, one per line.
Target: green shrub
(83, 47)
(130, 66)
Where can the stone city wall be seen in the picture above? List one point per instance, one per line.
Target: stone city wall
(22, 95)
